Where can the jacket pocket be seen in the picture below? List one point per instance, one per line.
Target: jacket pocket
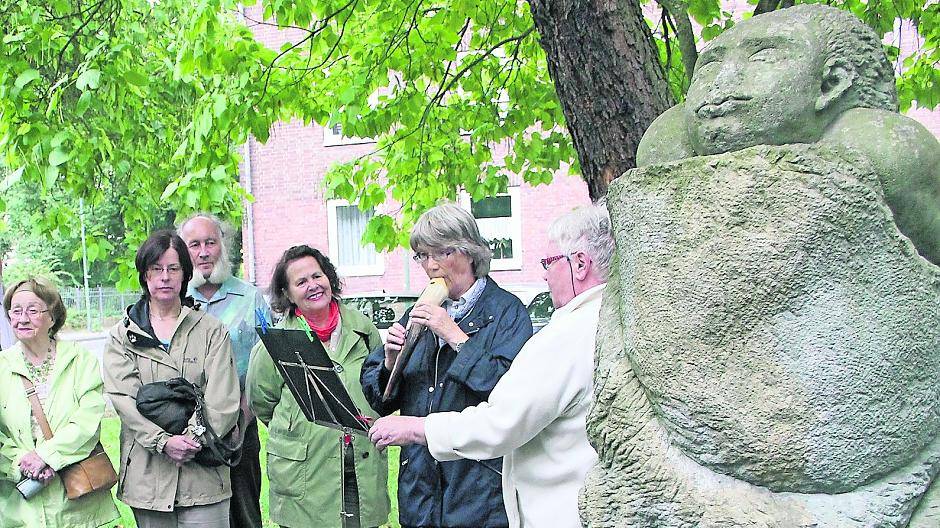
(287, 467)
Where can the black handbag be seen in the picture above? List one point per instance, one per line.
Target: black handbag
(169, 404)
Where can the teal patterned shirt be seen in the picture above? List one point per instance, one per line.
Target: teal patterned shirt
(235, 304)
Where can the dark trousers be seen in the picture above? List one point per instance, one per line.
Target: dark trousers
(245, 509)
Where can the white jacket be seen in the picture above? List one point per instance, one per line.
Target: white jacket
(535, 419)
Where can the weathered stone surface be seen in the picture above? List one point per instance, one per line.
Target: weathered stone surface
(771, 350)
(807, 74)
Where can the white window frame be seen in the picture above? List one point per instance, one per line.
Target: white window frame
(332, 139)
(515, 229)
(366, 270)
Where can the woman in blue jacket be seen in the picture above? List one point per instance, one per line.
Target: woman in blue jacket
(473, 338)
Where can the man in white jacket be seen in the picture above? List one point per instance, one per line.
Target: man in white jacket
(535, 416)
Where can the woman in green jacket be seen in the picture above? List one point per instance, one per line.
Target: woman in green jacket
(304, 459)
(68, 382)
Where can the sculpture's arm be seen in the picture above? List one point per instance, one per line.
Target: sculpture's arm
(906, 157)
(666, 139)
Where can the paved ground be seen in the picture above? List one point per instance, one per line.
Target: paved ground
(93, 341)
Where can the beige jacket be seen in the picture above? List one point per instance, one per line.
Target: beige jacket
(201, 351)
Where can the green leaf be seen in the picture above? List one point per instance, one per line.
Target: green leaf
(25, 78)
(88, 80)
(136, 78)
(83, 104)
(11, 179)
(58, 157)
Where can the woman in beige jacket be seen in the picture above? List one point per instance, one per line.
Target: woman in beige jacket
(158, 339)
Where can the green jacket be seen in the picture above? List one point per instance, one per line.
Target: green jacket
(303, 457)
(74, 411)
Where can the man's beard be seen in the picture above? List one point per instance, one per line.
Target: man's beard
(220, 272)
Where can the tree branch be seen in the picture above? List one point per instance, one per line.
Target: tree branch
(677, 12)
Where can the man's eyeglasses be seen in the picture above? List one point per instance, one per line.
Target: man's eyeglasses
(438, 256)
(548, 261)
(171, 270)
(31, 312)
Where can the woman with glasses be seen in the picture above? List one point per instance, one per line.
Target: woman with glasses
(67, 381)
(306, 471)
(470, 343)
(162, 337)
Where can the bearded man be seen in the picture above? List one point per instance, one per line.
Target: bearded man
(235, 303)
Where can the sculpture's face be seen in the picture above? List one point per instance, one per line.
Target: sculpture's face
(758, 83)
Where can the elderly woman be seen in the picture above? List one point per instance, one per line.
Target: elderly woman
(304, 468)
(473, 339)
(161, 338)
(67, 380)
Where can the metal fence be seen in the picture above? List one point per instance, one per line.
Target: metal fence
(105, 305)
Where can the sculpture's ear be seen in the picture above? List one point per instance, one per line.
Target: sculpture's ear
(837, 78)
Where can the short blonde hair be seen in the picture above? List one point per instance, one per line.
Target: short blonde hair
(47, 292)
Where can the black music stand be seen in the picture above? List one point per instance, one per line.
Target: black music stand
(313, 379)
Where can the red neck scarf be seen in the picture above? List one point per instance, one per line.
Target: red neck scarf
(323, 332)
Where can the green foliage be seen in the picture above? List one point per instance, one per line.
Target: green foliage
(38, 227)
(91, 106)
(145, 105)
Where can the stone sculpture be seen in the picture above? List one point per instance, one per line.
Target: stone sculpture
(771, 350)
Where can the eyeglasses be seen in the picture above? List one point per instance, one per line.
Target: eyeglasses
(548, 261)
(171, 270)
(31, 312)
(438, 256)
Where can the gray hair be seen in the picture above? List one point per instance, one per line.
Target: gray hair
(223, 268)
(450, 226)
(585, 229)
(225, 229)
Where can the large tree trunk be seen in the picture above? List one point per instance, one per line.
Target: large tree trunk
(607, 73)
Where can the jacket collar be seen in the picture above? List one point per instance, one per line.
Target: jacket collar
(231, 285)
(482, 313)
(352, 326)
(138, 330)
(355, 326)
(580, 300)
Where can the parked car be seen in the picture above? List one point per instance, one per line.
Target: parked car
(540, 310)
(537, 300)
(383, 308)
(386, 308)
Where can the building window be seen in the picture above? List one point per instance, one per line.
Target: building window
(499, 220)
(333, 136)
(346, 224)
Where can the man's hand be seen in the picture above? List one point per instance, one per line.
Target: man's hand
(397, 430)
(436, 318)
(393, 344)
(181, 449)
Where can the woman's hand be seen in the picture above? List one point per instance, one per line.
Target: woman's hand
(181, 449)
(46, 475)
(397, 430)
(32, 466)
(394, 342)
(437, 319)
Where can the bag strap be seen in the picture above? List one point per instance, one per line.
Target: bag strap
(214, 439)
(36, 406)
